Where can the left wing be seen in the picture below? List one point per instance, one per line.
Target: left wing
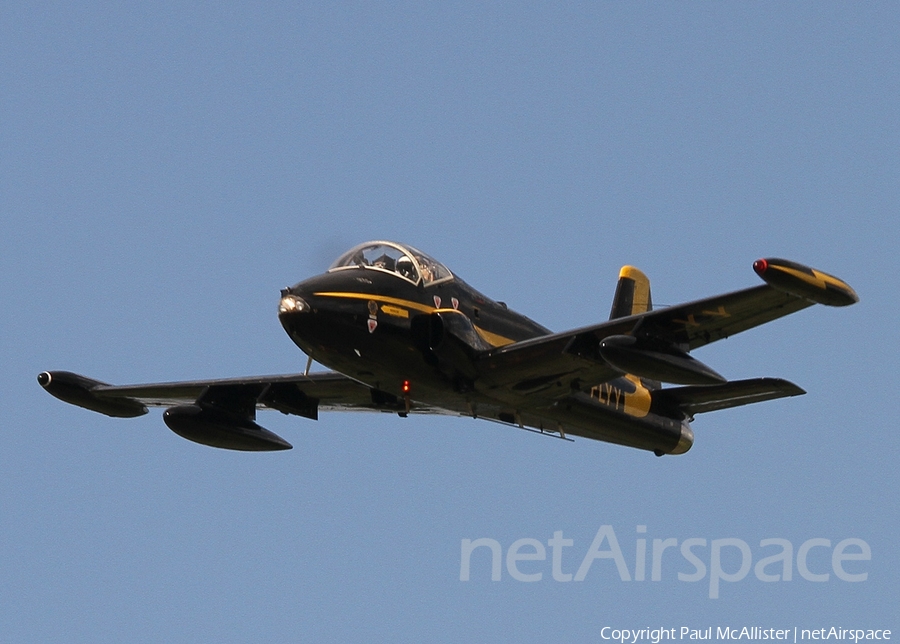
(654, 344)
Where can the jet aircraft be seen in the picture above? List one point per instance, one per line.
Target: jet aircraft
(403, 334)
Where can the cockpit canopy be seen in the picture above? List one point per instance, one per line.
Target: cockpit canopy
(398, 259)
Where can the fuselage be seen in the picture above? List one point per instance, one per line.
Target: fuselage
(395, 319)
(362, 321)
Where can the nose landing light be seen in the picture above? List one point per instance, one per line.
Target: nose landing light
(292, 304)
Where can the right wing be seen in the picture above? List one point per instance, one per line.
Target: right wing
(222, 413)
(299, 394)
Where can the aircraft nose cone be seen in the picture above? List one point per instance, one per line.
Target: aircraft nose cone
(291, 303)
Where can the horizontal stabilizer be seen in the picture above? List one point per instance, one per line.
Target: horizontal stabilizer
(699, 399)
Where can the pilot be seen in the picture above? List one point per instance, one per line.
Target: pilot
(384, 262)
(427, 272)
(406, 268)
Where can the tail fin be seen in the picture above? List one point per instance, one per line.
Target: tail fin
(633, 297)
(632, 294)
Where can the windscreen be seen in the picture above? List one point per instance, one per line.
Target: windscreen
(405, 261)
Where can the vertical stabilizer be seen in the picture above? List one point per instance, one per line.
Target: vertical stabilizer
(632, 294)
(632, 298)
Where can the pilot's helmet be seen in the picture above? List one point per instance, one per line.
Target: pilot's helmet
(405, 268)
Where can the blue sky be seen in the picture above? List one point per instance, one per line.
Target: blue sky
(165, 169)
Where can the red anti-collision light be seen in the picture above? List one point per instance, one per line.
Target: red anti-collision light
(760, 266)
(405, 387)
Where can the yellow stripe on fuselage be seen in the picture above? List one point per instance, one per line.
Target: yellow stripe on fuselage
(491, 338)
(424, 308)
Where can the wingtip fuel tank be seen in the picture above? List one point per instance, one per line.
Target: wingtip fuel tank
(83, 392)
(805, 282)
